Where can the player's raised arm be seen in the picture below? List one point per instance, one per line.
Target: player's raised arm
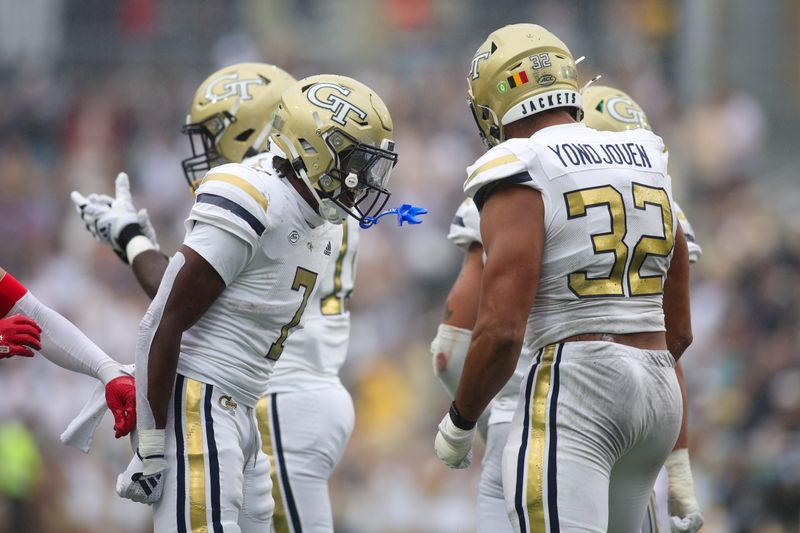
(66, 346)
(117, 223)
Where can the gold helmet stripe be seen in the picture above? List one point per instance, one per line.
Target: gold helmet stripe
(242, 184)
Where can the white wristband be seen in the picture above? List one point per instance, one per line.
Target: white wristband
(679, 476)
(137, 245)
(151, 442)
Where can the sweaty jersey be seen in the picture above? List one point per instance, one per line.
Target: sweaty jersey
(287, 248)
(465, 230)
(609, 226)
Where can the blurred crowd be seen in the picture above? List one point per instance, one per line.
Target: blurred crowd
(76, 119)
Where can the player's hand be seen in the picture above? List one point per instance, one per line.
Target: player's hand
(18, 334)
(687, 524)
(106, 220)
(453, 445)
(143, 480)
(121, 401)
(685, 515)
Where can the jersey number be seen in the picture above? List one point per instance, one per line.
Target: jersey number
(613, 242)
(305, 279)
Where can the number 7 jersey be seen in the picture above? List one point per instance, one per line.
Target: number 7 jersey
(609, 226)
(240, 337)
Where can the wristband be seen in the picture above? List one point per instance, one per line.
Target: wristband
(137, 245)
(151, 443)
(459, 421)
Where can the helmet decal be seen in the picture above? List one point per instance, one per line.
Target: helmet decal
(625, 111)
(231, 88)
(337, 105)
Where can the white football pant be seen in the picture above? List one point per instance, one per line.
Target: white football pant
(492, 514)
(305, 434)
(218, 477)
(594, 424)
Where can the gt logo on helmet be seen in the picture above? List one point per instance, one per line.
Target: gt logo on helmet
(625, 111)
(337, 105)
(232, 88)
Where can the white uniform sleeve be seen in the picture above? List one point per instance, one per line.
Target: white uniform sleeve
(224, 251)
(465, 229)
(501, 164)
(233, 197)
(64, 344)
(694, 249)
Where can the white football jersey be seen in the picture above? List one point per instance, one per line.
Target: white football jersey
(314, 355)
(694, 249)
(608, 221)
(465, 230)
(244, 332)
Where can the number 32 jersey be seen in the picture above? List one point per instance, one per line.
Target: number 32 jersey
(288, 247)
(609, 226)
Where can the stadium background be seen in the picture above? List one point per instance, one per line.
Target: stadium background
(92, 87)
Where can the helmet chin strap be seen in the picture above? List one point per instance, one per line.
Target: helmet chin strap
(327, 209)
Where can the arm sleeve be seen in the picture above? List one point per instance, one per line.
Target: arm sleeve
(225, 252)
(62, 342)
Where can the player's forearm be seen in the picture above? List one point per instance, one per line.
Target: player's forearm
(490, 363)
(683, 435)
(149, 268)
(62, 342)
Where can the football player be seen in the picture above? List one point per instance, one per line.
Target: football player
(306, 418)
(609, 109)
(580, 221)
(449, 349)
(257, 239)
(31, 324)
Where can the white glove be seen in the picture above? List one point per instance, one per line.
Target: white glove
(115, 221)
(143, 480)
(453, 445)
(685, 515)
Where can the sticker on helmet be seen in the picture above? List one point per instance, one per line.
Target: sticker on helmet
(502, 87)
(625, 111)
(335, 104)
(233, 87)
(546, 80)
(473, 69)
(517, 79)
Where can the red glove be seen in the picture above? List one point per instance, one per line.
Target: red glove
(121, 401)
(18, 334)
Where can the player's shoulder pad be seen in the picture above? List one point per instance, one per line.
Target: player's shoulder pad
(235, 197)
(695, 251)
(465, 229)
(505, 160)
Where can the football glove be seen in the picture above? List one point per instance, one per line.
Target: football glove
(143, 480)
(121, 401)
(115, 221)
(18, 334)
(453, 445)
(685, 515)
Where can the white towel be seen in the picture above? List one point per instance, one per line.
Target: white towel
(80, 432)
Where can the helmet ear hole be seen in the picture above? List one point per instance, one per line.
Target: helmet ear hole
(245, 135)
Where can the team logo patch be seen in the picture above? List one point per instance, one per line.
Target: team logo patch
(502, 87)
(517, 79)
(228, 403)
(335, 104)
(294, 236)
(229, 85)
(328, 249)
(546, 80)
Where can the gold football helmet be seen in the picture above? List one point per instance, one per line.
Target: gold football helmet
(337, 134)
(520, 69)
(231, 116)
(609, 109)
